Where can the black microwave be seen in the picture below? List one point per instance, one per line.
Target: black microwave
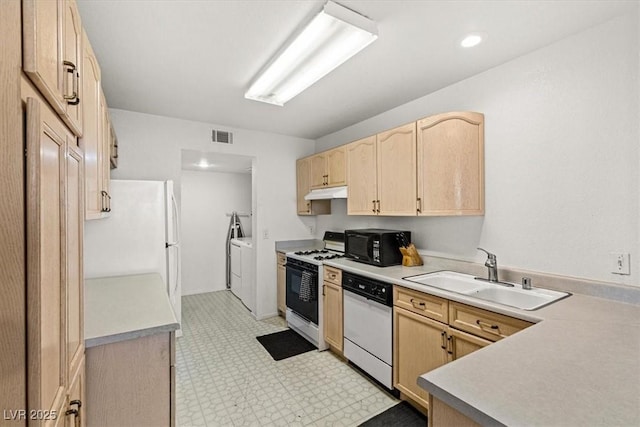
(376, 246)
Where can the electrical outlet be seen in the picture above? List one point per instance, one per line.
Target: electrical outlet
(620, 263)
(311, 230)
(265, 234)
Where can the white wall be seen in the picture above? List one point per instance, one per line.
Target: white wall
(150, 148)
(561, 155)
(206, 199)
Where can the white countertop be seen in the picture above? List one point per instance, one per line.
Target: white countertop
(126, 307)
(579, 365)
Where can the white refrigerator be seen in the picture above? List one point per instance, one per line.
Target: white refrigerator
(141, 235)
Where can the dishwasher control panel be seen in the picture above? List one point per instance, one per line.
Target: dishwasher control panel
(372, 289)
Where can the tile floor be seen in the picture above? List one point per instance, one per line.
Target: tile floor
(226, 378)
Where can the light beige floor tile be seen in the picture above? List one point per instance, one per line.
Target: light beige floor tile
(226, 378)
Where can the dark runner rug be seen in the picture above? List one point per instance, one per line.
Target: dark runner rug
(402, 414)
(284, 344)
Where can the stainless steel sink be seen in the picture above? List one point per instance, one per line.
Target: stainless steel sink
(524, 299)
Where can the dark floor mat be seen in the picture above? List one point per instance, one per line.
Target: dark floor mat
(281, 345)
(401, 414)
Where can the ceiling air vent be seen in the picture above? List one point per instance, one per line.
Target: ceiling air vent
(222, 136)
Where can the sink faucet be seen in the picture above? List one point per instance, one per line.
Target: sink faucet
(492, 264)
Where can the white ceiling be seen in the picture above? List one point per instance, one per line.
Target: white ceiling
(195, 59)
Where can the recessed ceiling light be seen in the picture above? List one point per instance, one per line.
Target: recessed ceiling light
(472, 39)
(203, 164)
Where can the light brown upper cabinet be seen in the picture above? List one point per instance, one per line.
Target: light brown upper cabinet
(303, 181)
(328, 169)
(96, 139)
(362, 173)
(381, 172)
(451, 164)
(396, 158)
(52, 55)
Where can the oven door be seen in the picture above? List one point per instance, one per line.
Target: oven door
(303, 302)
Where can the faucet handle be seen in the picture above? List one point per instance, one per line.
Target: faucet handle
(489, 254)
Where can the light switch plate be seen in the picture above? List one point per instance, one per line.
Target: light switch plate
(620, 263)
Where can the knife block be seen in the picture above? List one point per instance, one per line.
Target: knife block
(410, 256)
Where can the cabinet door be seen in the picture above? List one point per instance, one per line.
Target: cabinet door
(318, 165)
(74, 413)
(451, 164)
(362, 177)
(282, 279)
(303, 185)
(396, 158)
(461, 343)
(104, 145)
(42, 48)
(336, 167)
(72, 65)
(419, 347)
(332, 313)
(74, 273)
(47, 138)
(90, 141)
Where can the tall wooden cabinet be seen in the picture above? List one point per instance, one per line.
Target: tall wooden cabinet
(55, 338)
(451, 164)
(381, 173)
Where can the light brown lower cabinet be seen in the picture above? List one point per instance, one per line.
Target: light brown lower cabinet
(441, 414)
(332, 309)
(129, 383)
(54, 235)
(282, 283)
(422, 343)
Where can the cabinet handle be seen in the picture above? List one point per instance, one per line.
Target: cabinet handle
(486, 325)
(450, 345)
(323, 286)
(419, 205)
(443, 334)
(418, 303)
(378, 209)
(308, 207)
(72, 99)
(374, 206)
(106, 201)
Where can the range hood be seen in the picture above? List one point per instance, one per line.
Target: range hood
(327, 193)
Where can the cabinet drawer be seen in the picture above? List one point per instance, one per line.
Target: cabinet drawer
(333, 275)
(486, 324)
(427, 305)
(282, 258)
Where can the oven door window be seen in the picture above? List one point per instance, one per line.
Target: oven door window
(302, 293)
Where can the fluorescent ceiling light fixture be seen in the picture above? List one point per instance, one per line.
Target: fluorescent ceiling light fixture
(472, 40)
(332, 37)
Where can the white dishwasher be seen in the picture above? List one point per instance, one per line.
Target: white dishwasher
(368, 326)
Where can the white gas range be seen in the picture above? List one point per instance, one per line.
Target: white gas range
(304, 284)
